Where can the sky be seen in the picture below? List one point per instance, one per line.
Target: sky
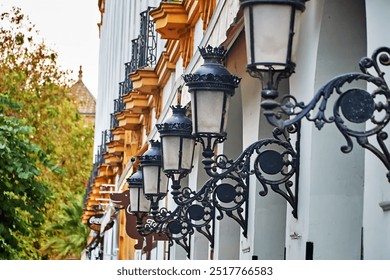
(69, 27)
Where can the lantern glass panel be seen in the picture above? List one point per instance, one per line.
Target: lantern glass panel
(211, 111)
(138, 201)
(152, 185)
(188, 153)
(171, 149)
(163, 183)
(150, 176)
(270, 32)
(298, 17)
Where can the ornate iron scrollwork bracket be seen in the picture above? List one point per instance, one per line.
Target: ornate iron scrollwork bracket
(353, 107)
(274, 164)
(273, 161)
(178, 225)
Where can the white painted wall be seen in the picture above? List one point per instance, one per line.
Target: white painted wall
(302, 84)
(121, 24)
(376, 222)
(227, 230)
(331, 183)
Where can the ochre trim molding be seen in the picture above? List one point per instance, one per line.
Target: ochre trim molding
(136, 102)
(164, 68)
(145, 81)
(170, 19)
(128, 120)
(207, 8)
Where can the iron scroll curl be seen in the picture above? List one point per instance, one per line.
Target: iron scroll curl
(357, 112)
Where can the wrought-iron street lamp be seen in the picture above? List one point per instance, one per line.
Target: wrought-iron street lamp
(271, 167)
(155, 184)
(178, 146)
(139, 205)
(149, 185)
(265, 18)
(352, 106)
(211, 87)
(271, 58)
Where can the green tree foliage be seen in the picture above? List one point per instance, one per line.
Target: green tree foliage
(22, 194)
(68, 233)
(31, 79)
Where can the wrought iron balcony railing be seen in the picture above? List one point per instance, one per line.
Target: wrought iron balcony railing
(147, 41)
(113, 121)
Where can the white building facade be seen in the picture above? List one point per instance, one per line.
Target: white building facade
(343, 200)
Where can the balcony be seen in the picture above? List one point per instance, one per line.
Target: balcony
(170, 19)
(145, 81)
(112, 160)
(118, 134)
(128, 120)
(116, 148)
(136, 102)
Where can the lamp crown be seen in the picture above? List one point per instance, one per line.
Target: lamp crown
(178, 123)
(212, 74)
(135, 180)
(212, 54)
(153, 155)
